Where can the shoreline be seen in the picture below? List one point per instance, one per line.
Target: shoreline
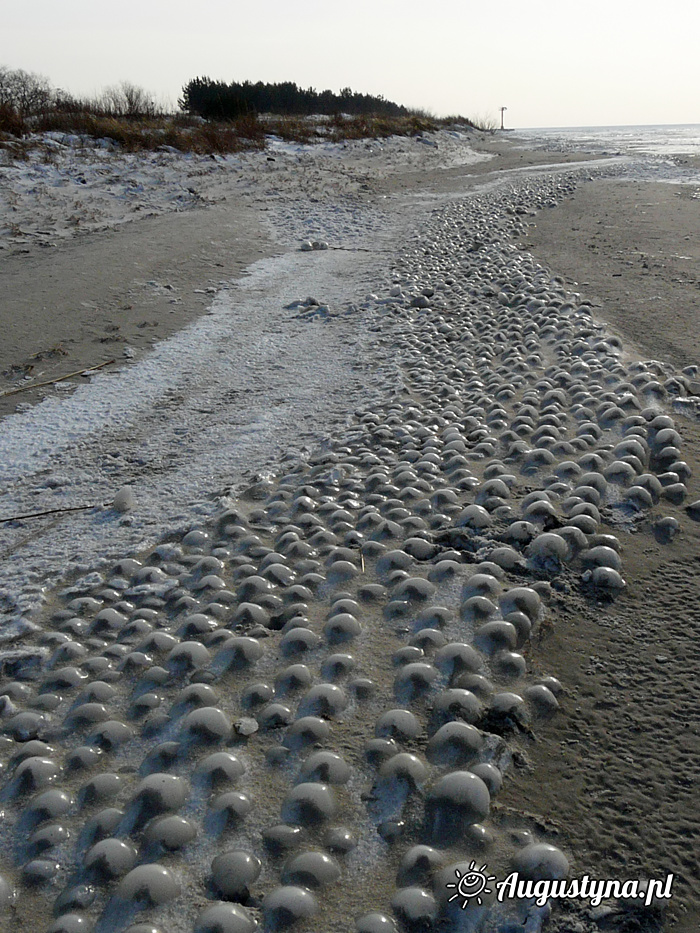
(587, 782)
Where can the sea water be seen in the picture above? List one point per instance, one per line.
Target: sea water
(661, 140)
(669, 153)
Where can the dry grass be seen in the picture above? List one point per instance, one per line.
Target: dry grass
(191, 134)
(129, 135)
(294, 129)
(379, 127)
(134, 135)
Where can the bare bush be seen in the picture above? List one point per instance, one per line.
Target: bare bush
(485, 123)
(24, 93)
(128, 100)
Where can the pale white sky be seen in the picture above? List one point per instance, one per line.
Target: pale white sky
(550, 62)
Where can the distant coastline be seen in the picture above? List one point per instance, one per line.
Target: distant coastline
(654, 139)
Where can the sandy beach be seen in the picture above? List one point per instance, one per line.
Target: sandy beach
(75, 301)
(385, 485)
(632, 248)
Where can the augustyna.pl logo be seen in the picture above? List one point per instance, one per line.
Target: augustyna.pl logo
(469, 886)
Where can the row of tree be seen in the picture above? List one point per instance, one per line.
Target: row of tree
(216, 100)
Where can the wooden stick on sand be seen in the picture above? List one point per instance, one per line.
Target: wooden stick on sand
(49, 382)
(72, 508)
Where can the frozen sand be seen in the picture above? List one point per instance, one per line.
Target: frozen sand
(547, 797)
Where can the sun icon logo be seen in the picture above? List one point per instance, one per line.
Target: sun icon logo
(471, 884)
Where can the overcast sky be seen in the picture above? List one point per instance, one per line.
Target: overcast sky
(550, 62)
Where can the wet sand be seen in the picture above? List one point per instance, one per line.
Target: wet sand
(633, 248)
(620, 767)
(82, 303)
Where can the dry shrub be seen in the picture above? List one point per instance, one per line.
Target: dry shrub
(252, 130)
(181, 132)
(215, 138)
(128, 100)
(25, 93)
(374, 126)
(176, 137)
(185, 133)
(11, 122)
(294, 129)
(186, 120)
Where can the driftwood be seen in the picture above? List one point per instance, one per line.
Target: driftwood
(50, 382)
(72, 508)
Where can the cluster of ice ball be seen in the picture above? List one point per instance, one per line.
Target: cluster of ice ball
(162, 702)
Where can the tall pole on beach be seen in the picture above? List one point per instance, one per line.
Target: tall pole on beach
(503, 110)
